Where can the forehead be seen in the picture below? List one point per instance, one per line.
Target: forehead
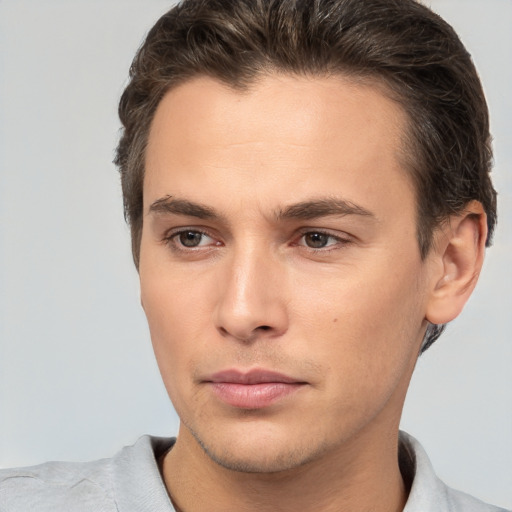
(282, 133)
(289, 106)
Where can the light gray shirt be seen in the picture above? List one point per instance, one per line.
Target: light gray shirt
(131, 482)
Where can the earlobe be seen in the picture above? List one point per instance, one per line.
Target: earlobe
(459, 255)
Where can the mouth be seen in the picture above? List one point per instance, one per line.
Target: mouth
(254, 389)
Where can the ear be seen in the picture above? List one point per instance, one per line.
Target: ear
(458, 255)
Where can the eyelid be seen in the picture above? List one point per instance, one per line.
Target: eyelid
(342, 239)
(170, 235)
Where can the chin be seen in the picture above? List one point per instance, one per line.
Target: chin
(258, 461)
(254, 452)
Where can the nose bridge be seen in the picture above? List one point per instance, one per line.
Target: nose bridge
(251, 299)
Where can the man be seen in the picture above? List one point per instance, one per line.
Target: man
(307, 185)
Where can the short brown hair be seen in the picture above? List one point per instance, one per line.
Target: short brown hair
(399, 43)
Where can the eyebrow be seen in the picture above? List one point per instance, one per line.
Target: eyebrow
(305, 210)
(325, 207)
(170, 205)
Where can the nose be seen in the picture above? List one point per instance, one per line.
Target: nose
(252, 301)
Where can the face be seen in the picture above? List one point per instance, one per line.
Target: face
(279, 267)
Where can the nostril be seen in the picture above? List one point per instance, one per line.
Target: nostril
(264, 327)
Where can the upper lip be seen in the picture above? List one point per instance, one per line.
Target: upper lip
(255, 376)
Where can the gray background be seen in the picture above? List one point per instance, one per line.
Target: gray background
(77, 375)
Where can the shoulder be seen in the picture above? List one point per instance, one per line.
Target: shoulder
(81, 486)
(58, 486)
(428, 493)
(460, 501)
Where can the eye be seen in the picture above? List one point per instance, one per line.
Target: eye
(189, 239)
(318, 240)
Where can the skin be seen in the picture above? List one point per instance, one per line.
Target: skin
(301, 258)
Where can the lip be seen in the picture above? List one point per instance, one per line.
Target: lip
(254, 389)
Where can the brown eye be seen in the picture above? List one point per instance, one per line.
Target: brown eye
(316, 240)
(190, 238)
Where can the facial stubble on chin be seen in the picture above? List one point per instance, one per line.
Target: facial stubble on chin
(292, 459)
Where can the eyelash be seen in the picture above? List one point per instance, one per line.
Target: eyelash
(170, 240)
(340, 241)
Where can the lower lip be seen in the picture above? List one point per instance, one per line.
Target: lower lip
(253, 396)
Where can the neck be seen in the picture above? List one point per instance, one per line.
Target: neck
(361, 476)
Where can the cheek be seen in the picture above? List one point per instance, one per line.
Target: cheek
(368, 355)
(172, 336)
(367, 327)
(175, 302)
(176, 322)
